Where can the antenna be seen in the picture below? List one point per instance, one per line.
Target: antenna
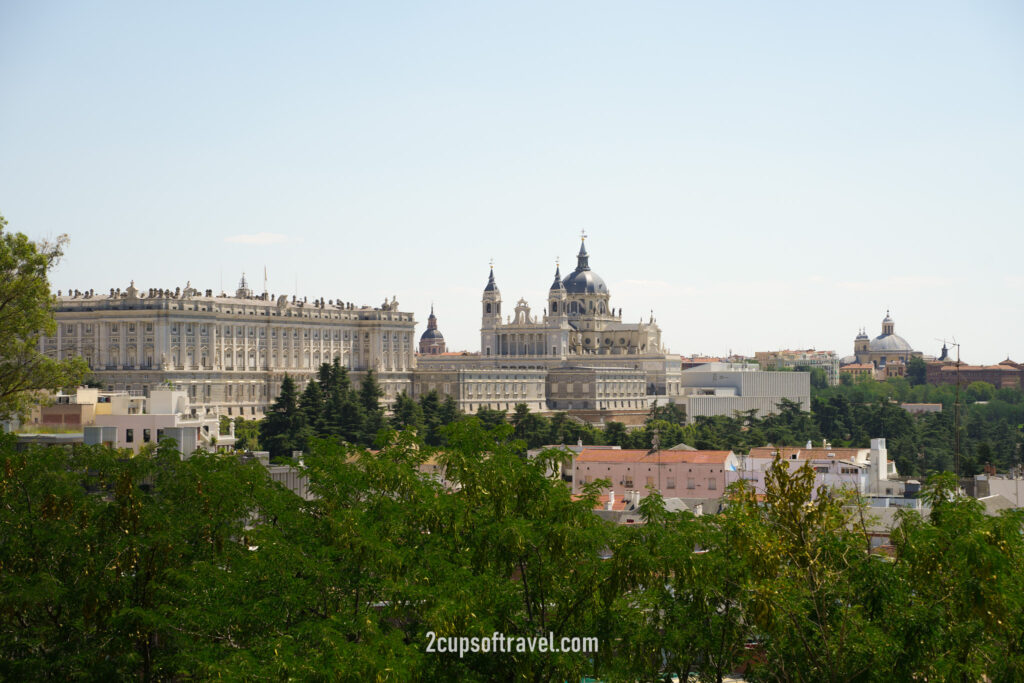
(956, 411)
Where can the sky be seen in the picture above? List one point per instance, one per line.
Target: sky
(759, 175)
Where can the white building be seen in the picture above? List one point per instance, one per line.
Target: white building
(868, 471)
(228, 352)
(724, 388)
(134, 421)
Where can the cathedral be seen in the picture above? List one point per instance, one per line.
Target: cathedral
(884, 356)
(578, 322)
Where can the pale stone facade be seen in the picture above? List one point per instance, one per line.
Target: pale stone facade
(811, 358)
(578, 321)
(493, 388)
(229, 352)
(596, 388)
(888, 353)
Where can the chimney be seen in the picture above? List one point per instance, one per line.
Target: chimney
(611, 501)
(879, 465)
(698, 509)
(636, 499)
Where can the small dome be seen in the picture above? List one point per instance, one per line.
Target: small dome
(431, 334)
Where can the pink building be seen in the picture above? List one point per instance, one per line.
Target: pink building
(675, 474)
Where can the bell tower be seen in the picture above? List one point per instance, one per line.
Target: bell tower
(490, 318)
(557, 297)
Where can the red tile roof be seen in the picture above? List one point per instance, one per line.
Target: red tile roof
(643, 456)
(787, 452)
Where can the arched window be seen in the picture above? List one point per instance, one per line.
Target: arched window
(554, 307)
(488, 308)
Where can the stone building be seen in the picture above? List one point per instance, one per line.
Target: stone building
(578, 321)
(589, 358)
(432, 341)
(887, 349)
(810, 358)
(228, 353)
(1003, 375)
(493, 388)
(596, 388)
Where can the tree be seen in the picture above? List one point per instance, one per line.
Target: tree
(406, 413)
(312, 405)
(370, 394)
(980, 391)
(917, 370)
(284, 429)
(247, 434)
(26, 314)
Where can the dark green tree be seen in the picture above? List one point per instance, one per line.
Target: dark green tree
(312, 404)
(284, 428)
(370, 394)
(406, 413)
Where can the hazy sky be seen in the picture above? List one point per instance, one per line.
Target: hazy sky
(761, 175)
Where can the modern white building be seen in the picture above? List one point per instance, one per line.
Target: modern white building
(228, 352)
(868, 471)
(134, 421)
(724, 388)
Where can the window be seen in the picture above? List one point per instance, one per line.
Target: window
(129, 436)
(671, 483)
(822, 469)
(628, 481)
(146, 435)
(712, 484)
(691, 483)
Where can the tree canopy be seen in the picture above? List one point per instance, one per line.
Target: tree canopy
(26, 313)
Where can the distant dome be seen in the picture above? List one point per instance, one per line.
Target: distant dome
(431, 334)
(583, 280)
(889, 342)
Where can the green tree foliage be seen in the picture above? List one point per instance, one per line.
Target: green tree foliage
(25, 315)
(406, 413)
(284, 429)
(247, 434)
(917, 371)
(155, 568)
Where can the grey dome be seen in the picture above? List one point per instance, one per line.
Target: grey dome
(583, 280)
(431, 334)
(889, 342)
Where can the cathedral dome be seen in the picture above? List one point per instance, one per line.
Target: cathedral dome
(889, 342)
(431, 334)
(583, 280)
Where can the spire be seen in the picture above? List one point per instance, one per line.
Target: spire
(491, 285)
(557, 284)
(583, 258)
(432, 320)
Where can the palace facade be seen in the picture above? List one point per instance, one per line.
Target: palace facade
(229, 353)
